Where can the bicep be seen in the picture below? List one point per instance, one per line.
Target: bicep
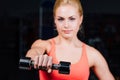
(101, 68)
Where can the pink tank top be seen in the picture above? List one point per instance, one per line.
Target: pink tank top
(78, 71)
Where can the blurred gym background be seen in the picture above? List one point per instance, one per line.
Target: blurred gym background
(24, 21)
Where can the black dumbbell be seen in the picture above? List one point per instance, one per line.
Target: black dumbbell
(27, 64)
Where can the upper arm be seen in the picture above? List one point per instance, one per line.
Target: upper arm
(100, 66)
(38, 47)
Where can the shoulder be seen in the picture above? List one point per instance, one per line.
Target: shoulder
(91, 50)
(94, 56)
(39, 43)
(46, 44)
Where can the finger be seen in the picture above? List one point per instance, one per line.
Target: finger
(49, 65)
(45, 61)
(40, 61)
(36, 61)
(49, 70)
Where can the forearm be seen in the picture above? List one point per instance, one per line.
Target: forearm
(33, 52)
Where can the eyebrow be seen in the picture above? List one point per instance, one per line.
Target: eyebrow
(63, 17)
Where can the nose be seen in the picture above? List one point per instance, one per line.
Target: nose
(66, 24)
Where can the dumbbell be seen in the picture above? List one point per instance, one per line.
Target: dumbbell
(27, 64)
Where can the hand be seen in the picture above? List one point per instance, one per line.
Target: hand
(43, 61)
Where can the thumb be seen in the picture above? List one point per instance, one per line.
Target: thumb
(49, 70)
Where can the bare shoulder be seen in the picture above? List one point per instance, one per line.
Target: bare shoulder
(41, 44)
(92, 51)
(94, 56)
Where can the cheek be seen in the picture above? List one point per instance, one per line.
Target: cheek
(58, 27)
(75, 26)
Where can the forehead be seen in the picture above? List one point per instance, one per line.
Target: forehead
(66, 10)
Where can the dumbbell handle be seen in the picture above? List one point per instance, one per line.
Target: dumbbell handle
(27, 64)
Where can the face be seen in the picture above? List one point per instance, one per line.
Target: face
(67, 20)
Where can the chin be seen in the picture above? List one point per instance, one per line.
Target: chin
(68, 36)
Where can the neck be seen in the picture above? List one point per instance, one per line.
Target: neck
(68, 41)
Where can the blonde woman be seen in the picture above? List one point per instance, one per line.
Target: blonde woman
(68, 17)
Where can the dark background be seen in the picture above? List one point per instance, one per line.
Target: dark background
(24, 21)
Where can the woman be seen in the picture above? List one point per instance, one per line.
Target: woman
(66, 46)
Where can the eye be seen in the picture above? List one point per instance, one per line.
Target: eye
(60, 19)
(71, 18)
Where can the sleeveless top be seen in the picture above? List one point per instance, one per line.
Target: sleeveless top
(78, 71)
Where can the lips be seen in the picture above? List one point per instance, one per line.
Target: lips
(67, 31)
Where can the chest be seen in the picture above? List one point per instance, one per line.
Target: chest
(79, 69)
(77, 72)
(72, 55)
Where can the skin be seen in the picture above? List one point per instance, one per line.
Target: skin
(68, 21)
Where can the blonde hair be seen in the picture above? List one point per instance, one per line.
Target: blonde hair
(75, 3)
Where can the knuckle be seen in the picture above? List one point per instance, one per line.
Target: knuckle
(39, 64)
(45, 55)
